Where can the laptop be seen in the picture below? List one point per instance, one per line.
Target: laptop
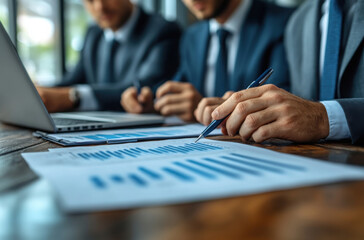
(20, 103)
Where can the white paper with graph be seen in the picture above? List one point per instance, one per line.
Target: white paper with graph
(175, 171)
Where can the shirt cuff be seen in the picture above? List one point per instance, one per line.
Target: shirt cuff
(88, 101)
(339, 128)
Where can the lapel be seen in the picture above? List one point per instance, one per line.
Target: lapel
(202, 40)
(310, 52)
(248, 34)
(130, 49)
(91, 55)
(355, 38)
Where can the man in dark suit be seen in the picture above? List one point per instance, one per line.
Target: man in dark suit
(128, 45)
(329, 68)
(236, 41)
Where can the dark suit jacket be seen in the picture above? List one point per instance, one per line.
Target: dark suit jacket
(150, 56)
(261, 46)
(303, 46)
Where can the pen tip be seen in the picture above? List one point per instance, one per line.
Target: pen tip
(198, 139)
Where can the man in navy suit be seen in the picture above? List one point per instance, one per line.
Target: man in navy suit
(232, 45)
(325, 48)
(125, 46)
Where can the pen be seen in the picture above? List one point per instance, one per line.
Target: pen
(137, 85)
(214, 124)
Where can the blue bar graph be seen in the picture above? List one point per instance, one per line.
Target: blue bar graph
(137, 152)
(232, 166)
(166, 133)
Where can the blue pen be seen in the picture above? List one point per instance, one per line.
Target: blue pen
(137, 85)
(214, 124)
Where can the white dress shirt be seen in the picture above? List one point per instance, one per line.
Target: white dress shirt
(339, 128)
(88, 101)
(233, 25)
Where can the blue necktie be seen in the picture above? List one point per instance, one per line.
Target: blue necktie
(332, 52)
(221, 68)
(107, 64)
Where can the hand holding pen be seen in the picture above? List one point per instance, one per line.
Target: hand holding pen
(214, 124)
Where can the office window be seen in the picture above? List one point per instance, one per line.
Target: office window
(76, 22)
(4, 13)
(38, 39)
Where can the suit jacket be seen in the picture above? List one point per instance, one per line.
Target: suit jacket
(149, 55)
(302, 44)
(260, 47)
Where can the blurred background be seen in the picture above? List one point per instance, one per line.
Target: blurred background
(49, 33)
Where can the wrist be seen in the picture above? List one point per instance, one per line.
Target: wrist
(323, 120)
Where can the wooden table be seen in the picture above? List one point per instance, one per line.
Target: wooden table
(29, 207)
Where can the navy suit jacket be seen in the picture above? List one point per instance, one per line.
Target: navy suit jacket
(303, 48)
(260, 47)
(150, 56)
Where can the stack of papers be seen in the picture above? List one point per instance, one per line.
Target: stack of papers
(175, 171)
(125, 135)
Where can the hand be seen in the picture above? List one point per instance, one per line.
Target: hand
(207, 106)
(133, 103)
(56, 99)
(269, 112)
(176, 98)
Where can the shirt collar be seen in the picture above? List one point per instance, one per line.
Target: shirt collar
(123, 33)
(234, 23)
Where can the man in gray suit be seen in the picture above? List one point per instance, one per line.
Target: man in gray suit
(127, 46)
(329, 68)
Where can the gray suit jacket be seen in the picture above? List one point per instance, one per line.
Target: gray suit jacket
(150, 55)
(302, 43)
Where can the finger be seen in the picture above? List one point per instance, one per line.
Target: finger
(175, 109)
(268, 131)
(256, 120)
(227, 95)
(241, 111)
(206, 118)
(168, 100)
(130, 102)
(203, 104)
(169, 87)
(228, 106)
(145, 95)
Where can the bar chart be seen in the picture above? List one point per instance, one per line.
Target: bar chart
(175, 171)
(102, 155)
(233, 166)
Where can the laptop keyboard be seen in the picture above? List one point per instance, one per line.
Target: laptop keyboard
(66, 121)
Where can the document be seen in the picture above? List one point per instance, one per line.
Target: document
(175, 171)
(125, 135)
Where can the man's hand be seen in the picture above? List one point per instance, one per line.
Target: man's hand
(134, 103)
(176, 98)
(207, 106)
(56, 99)
(269, 112)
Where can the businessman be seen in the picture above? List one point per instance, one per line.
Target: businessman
(127, 45)
(324, 44)
(234, 42)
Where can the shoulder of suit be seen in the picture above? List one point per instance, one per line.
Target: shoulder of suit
(295, 21)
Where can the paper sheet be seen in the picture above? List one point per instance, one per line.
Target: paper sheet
(175, 171)
(126, 135)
